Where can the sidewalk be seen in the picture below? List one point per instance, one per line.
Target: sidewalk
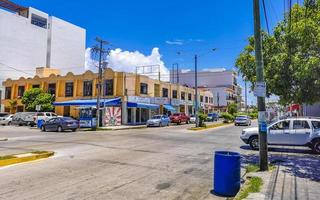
(297, 176)
(123, 127)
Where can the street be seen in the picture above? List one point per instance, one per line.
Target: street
(152, 163)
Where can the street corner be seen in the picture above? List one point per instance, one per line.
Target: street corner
(24, 157)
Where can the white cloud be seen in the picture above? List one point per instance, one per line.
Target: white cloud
(175, 42)
(127, 61)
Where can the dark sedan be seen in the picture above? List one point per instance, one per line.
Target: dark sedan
(60, 124)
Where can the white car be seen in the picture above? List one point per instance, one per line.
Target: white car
(6, 120)
(242, 120)
(192, 119)
(45, 116)
(287, 132)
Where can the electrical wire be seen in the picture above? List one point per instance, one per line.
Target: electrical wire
(265, 15)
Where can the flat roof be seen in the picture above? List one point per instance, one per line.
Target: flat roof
(8, 5)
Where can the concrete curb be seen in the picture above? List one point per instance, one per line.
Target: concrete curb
(219, 126)
(14, 159)
(3, 139)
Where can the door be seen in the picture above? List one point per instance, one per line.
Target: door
(279, 133)
(301, 132)
(50, 125)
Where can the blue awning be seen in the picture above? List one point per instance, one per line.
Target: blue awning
(169, 107)
(89, 102)
(143, 105)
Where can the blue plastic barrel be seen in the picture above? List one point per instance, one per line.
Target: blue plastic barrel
(39, 123)
(226, 173)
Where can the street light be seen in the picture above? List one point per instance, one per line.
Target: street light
(196, 87)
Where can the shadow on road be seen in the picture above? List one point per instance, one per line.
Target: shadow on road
(302, 166)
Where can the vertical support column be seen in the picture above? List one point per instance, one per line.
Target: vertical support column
(133, 115)
(124, 113)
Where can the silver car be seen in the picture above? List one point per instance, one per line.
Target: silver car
(242, 120)
(6, 120)
(158, 120)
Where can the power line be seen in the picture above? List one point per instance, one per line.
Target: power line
(18, 70)
(265, 15)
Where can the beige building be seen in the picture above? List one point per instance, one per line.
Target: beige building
(128, 98)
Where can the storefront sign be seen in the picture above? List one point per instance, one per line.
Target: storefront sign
(136, 99)
(160, 100)
(176, 102)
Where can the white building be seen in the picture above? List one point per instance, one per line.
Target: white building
(30, 38)
(222, 83)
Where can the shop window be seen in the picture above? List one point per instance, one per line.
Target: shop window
(201, 98)
(52, 88)
(143, 88)
(20, 91)
(36, 86)
(69, 89)
(183, 96)
(174, 94)
(165, 92)
(87, 88)
(8, 93)
(189, 97)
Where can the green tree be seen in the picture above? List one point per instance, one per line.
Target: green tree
(36, 96)
(13, 105)
(232, 108)
(291, 56)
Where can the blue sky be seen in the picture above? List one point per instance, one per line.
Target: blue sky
(189, 26)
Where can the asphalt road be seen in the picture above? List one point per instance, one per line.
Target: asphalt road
(152, 163)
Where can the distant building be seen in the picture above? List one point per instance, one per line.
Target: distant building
(221, 82)
(30, 38)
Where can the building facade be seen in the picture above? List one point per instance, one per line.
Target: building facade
(222, 83)
(30, 38)
(128, 98)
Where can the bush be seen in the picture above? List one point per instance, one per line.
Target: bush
(202, 119)
(253, 115)
(227, 117)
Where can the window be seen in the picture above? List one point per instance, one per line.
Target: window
(69, 89)
(48, 115)
(8, 93)
(108, 87)
(316, 124)
(207, 99)
(201, 98)
(174, 94)
(165, 92)
(36, 86)
(189, 97)
(283, 125)
(300, 124)
(183, 95)
(52, 88)
(20, 91)
(87, 88)
(143, 88)
(38, 21)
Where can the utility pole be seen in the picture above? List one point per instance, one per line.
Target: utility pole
(177, 72)
(263, 145)
(196, 89)
(218, 100)
(172, 73)
(99, 49)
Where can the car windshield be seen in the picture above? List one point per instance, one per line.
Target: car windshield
(241, 117)
(191, 115)
(67, 118)
(212, 114)
(156, 117)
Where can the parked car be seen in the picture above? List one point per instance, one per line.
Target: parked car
(179, 118)
(60, 124)
(45, 116)
(23, 119)
(158, 120)
(2, 114)
(290, 132)
(6, 120)
(192, 119)
(211, 117)
(242, 120)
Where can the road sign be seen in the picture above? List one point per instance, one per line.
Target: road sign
(260, 89)
(38, 108)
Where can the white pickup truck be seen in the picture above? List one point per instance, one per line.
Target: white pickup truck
(287, 132)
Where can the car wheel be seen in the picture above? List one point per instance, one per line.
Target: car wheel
(168, 124)
(316, 146)
(236, 124)
(254, 142)
(60, 129)
(74, 130)
(9, 123)
(187, 122)
(43, 128)
(160, 124)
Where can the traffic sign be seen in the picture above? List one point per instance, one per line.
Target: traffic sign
(38, 108)
(260, 89)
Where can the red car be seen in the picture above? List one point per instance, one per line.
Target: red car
(179, 118)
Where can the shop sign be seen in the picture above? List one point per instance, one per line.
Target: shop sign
(136, 99)
(175, 102)
(160, 100)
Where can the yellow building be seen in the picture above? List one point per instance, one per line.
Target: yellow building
(127, 98)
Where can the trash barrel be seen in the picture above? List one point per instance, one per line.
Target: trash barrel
(39, 123)
(226, 173)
